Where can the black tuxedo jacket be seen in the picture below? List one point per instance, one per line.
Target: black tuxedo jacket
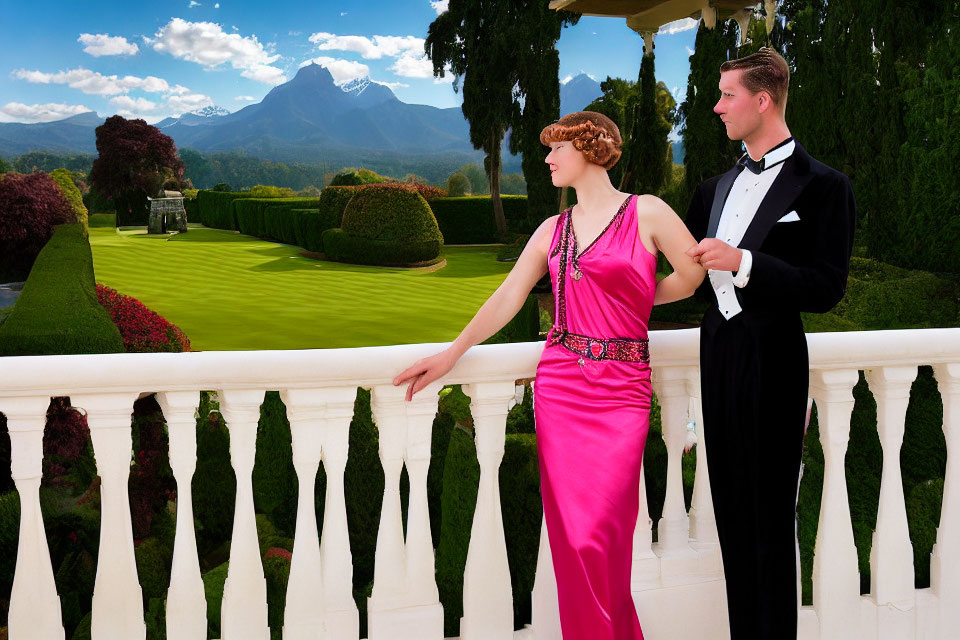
(797, 266)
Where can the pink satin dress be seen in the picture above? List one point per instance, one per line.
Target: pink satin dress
(592, 418)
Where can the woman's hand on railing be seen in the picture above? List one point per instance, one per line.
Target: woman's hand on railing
(424, 371)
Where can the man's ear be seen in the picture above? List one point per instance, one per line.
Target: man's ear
(765, 101)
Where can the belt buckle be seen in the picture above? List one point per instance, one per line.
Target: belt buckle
(596, 349)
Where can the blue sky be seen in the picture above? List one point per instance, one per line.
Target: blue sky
(156, 59)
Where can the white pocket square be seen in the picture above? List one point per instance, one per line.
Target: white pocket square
(790, 217)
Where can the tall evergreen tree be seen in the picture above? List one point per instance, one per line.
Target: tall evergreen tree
(472, 39)
(646, 168)
(537, 29)
(709, 151)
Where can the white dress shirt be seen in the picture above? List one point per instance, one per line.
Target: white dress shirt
(744, 199)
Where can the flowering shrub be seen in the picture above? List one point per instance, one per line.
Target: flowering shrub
(142, 329)
(32, 205)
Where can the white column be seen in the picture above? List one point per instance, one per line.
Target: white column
(836, 579)
(186, 603)
(891, 556)
(342, 617)
(545, 614)
(945, 559)
(487, 592)
(703, 523)
(117, 599)
(303, 617)
(34, 612)
(670, 385)
(243, 613)
(405, 603)
(645, 572)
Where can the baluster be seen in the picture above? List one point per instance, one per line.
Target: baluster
(545, 614)
(673, 530)
(836, 579)
(945, 559)
(303, 617)
(405, 603)
(186, 603)
(342, 617)
(117, 600)
(243, 614)
(703, 524)
(34, 611)
(487, 592)
(891, 556)
(645, 572)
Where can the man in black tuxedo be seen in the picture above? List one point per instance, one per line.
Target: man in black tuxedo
(775, 234)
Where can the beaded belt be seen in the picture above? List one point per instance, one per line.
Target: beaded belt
(622, 349)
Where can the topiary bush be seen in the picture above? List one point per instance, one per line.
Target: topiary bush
(458, 185)
(215, 208)
(65, 181)
(142, 329)
(333, 201)
(385, 226)
(268, 191)
(58, 312)
(32, 205)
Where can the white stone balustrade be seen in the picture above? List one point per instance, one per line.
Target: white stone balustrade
(676, 599)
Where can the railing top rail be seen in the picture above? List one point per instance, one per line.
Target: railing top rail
(369, 366)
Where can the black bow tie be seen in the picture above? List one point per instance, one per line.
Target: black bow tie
(755, 166)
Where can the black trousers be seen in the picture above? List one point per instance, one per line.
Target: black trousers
(754, 378)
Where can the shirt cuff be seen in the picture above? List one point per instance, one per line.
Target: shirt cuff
(742, 276)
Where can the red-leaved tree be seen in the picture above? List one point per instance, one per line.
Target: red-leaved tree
(30, 206)
(135, 161)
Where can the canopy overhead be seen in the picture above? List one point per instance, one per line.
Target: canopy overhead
(650, 15)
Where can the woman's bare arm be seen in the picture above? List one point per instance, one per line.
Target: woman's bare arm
(496, 312)
(672, 238)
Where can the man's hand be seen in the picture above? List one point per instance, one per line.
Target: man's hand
(716, 254)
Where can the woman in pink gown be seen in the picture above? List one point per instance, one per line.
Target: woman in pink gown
(592, 391)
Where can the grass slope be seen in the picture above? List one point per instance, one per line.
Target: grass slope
(229, 291)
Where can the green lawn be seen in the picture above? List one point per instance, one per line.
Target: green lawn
(231, 291)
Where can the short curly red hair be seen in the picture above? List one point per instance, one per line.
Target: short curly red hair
(593, 134)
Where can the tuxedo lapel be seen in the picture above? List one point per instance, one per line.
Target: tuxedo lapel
(720, 198)
(791, 181)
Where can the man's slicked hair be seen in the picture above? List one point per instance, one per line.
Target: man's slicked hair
(765, 70)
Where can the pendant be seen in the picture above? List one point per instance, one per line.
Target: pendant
(577, 274)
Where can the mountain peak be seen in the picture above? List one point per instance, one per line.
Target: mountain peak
(210, 111)
(312, 73)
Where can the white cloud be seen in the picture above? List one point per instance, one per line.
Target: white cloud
(341, 70)
(137, 105)
(32, 113)
(392, 85)
(265, 73)
(95, 83)
(102, 44)
(689, 50)
(413, 67)
(343, 13)
(369, 48)
(244, 98)
(189, 102)
(194, 3)
(439, 5)
(678, 26)
(216, 6)
(207, 44)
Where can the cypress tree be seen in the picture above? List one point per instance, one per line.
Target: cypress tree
(647, 169)
(709, 151)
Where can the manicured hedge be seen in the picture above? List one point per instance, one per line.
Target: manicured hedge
(58, 312)
(345, 247)
(333, 201)
(261, 217)
(64, 180)
(310, 225)
(385, 225)
(469, 219)
(215, 208)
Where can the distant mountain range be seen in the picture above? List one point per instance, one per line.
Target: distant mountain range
(308, 119)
